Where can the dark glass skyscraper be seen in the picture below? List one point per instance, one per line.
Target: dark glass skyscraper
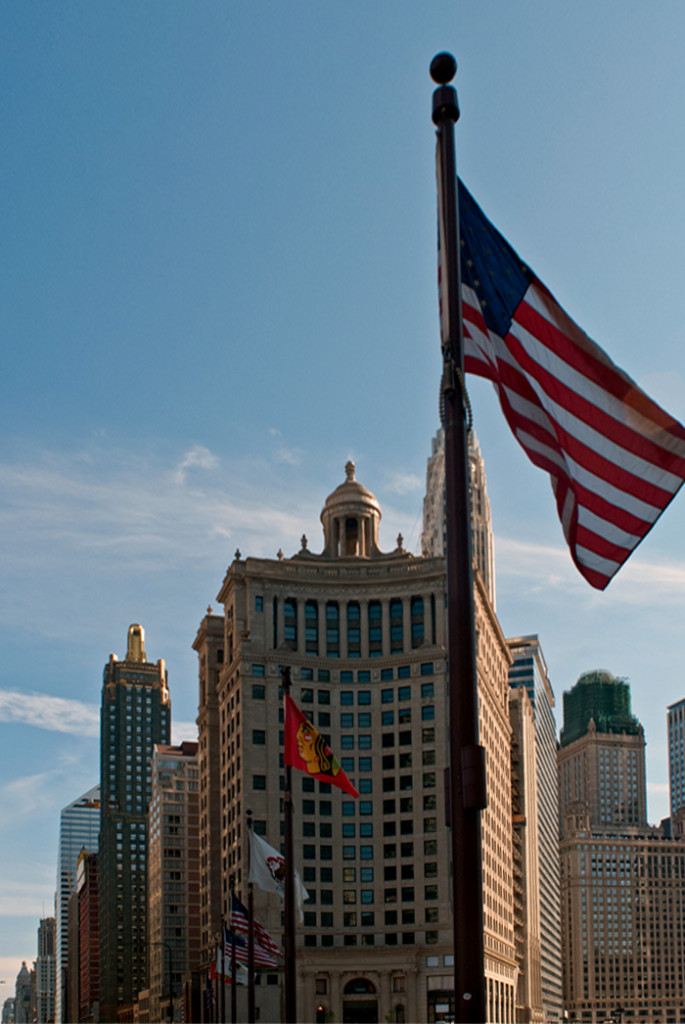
(136, 714)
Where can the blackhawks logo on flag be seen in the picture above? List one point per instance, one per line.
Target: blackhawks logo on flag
(307, 750)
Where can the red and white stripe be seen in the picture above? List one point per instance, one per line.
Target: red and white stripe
(614, 457)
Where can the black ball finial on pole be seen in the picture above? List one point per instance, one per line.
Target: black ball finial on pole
(443, 68)
(445, 104)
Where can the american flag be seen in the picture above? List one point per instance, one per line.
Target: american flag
(264, 956)
(614, 457)
(240, 923)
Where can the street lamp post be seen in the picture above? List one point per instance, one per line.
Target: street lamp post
(167, 947)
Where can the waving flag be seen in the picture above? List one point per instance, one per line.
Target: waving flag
(267, 870)
(307, 750)
(614, 457)
(261, 957)
(240, 923)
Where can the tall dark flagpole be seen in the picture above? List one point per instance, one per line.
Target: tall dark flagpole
(467, 757)
(289, 931)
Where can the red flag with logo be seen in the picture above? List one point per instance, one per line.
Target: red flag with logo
(306, 750)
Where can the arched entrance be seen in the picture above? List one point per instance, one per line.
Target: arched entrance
(360, 1004)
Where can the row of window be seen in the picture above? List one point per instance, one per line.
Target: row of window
(324, 627)
(348, 676)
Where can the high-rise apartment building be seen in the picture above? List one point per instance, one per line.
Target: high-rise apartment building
(363, 632)
(433, 532)
(622, 891)
(136, 714)
(529, 671)
(173, 876)
(79, 827)
(676, 756)
(45, 971)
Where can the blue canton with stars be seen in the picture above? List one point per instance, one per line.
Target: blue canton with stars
(490, 266)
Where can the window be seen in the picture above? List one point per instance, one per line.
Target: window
(364, 764)
(323, 696)
(417, 628)
(428, 713)
(365, 785)
(388, 762)
(388, 739)
(311, 627)
(347, 764)
(349, 852)
(396, 627)
(366, 852)
(365, 741)
(347, 698)
(375, 629)
(387, 696)
(364, 720)
(353, 630)
(347, 720)
(404, 693)
(259, 781)
(306, 696)
(258, 737)
(365, 807)
(349, 830)
(388, 718)
(332, 629)
(258, 691)
(346, 676)
(258, 670)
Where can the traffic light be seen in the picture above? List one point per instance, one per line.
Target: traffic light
(321, 1015)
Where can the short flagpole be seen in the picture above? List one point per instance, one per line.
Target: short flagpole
(234, 983)
(251, 1017)
(290, 973)
(467, 757)
(223, 970)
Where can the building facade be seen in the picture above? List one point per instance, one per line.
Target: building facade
(676, 756)
(79, 827)
(136, 714)
(88, 937)
(622, 892)
(526, 863)
(601, 759)
(434, 511)
(173, 877)
(363, 632)
(45, 971)
(529, 671)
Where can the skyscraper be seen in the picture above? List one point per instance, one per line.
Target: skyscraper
(79, 827)
(601, 759)
(529, 670)
(173, 892)
(45, 971)
(433, 531)
(136, 714)
(363, 632)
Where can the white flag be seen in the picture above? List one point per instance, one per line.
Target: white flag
(267, 870)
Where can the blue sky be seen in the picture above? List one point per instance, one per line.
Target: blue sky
(218, 283)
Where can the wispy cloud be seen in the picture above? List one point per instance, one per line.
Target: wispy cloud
(56, 714)
(59, 714)
(546, 566)
(404, 483)
(197, 457)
